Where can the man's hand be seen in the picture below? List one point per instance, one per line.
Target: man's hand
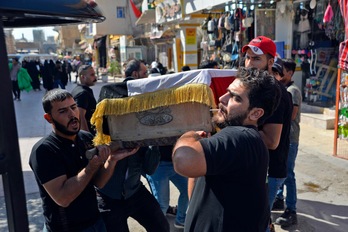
(121, 154)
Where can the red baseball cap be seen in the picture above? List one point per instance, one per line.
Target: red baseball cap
(261, 45)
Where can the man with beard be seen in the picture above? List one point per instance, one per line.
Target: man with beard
(260, 53)
(64, 175)
(230, 193)
(84, 97)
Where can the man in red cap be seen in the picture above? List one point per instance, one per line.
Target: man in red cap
(260, 53)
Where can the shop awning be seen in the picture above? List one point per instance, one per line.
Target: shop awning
(147, 17)
(23, 13)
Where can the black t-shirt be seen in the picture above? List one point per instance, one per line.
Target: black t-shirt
(233, 194)
(278, 157)
(54, 156)
(84, 98)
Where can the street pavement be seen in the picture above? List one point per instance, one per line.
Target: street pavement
(322, 179)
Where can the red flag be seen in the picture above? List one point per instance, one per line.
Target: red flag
(136, 11)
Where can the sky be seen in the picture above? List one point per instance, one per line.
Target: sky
(28, 34)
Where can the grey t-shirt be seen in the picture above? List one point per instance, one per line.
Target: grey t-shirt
(14, 72)
(295, 124)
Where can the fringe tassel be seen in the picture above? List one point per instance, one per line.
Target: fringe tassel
(199, 93)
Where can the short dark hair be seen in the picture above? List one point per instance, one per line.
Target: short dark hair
(54, 95)
(289, 65)
(264, 90)
(83, 68)
(15, 58)
(207, 64)
(185, 68)
(133, 65)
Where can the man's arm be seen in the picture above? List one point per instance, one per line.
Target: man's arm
(270, 134)
(294, 112)
(188, 155)
(64, 191)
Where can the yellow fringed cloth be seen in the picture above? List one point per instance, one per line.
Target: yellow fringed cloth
(190, 93)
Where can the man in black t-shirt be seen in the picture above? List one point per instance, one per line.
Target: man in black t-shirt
(231, 193)
(64, 175)
(84, 97)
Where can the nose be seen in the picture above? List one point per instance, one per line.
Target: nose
(224, 99)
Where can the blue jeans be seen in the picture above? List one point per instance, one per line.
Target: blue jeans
(273, 186)
(290, 181)
(98, 226)
(58, 83)
(159, 183)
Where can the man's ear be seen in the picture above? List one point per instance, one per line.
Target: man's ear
(256, 113)
(270, 63)
(48, 117)
(135, 74)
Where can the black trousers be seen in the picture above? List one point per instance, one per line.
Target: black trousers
(15, 90)
(142, 206)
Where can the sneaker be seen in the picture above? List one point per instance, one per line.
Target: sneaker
(278, 204)
(172, 210)
(179, 225)
(288, 218)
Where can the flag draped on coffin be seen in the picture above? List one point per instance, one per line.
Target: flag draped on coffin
(217, 79)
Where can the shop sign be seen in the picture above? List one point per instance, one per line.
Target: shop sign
(167, 11)
(191, 36)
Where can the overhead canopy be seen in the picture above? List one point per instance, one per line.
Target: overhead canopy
(147, 17)
(31, 13)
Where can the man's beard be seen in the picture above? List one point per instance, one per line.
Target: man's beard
(231, 120)
(64, 129)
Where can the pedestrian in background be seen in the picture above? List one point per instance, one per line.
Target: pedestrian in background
(230, 193)
(289, 217)
(84, 96)
(185, 68)
(58, 75)
(159, 182)
(14, 69)
(64, 175)
(47, 76)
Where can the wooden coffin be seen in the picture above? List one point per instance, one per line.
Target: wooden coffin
(156, 118)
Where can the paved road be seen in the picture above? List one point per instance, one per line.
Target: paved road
(322, 178)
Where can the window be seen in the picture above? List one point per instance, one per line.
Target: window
(120, 12)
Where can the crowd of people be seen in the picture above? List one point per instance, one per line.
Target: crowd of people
(240, 170)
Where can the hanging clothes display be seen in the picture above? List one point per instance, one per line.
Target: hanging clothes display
(304, 29)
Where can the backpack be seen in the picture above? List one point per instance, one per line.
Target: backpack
(221, 23)
(211, 26)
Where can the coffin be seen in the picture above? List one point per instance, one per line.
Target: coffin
(154, 118)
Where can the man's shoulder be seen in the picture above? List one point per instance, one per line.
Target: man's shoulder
(78, 90)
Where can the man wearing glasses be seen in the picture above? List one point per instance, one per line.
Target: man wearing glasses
(84, 97)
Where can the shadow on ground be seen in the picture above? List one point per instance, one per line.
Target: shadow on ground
(318, 216)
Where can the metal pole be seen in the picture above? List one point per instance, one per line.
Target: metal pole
(10, 162)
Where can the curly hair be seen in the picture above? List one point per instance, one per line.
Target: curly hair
(264, 90)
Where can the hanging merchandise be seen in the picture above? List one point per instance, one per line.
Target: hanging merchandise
(211, 26)
(344, 11)
(343, 55)
(221, 23)
(328, 14)
(247, 21)
(334, 22)
(303, 28)
(227, 24)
